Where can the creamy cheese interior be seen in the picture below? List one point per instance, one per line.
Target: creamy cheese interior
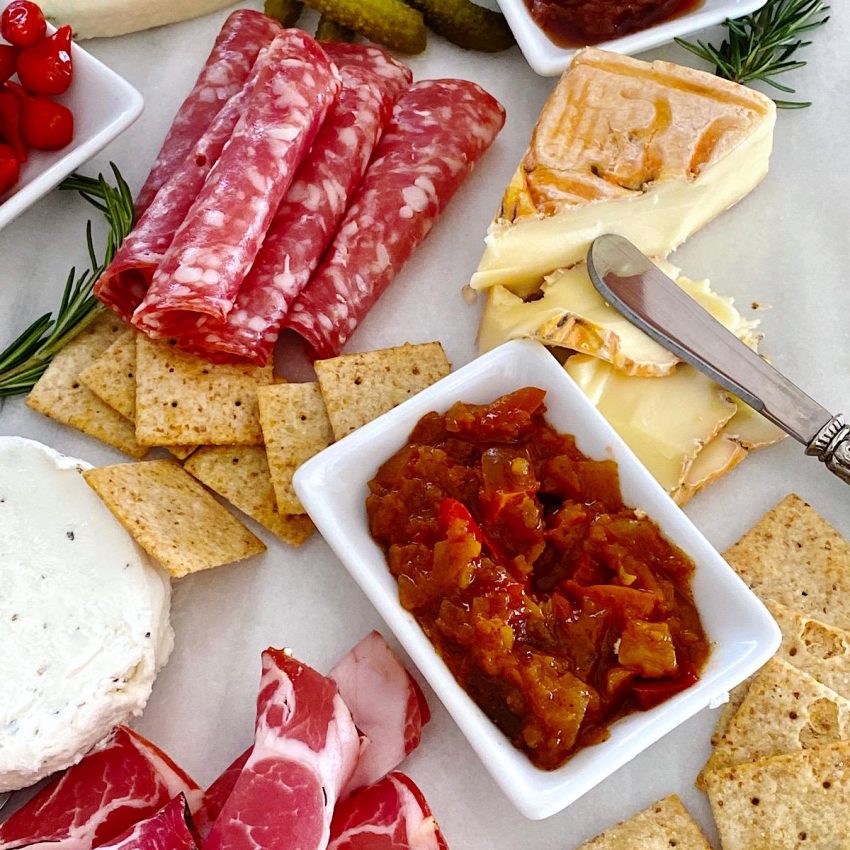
(83, 615)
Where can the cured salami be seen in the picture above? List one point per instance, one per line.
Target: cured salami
(308, 216)
(218, 241)
(439, 130)
(242, 37)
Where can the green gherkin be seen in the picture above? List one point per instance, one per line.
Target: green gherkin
(466, 24)
(388, 22)
(286, 11)
(330, 30)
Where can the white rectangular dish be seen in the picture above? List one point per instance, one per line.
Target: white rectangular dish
(333, 488)
(549, 59)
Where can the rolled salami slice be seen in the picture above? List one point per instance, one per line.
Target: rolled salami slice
(307, 218)
(242, 37)
(218, 241)
(440, 129)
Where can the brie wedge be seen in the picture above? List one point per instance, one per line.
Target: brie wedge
(83, 615)
(651, 151)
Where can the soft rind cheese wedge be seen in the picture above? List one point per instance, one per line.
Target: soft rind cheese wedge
(83, 615)
(650, 151)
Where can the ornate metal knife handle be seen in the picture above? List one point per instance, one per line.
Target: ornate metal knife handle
(832, 446)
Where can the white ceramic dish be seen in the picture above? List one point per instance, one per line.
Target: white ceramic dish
(333, 488)
(104, 105)
(548, 59)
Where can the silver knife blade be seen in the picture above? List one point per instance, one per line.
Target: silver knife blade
(659, 307)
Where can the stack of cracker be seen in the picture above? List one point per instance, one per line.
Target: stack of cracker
(779, 775)
(238, 429)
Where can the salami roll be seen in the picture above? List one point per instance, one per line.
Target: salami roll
(218, 241)
(439, 130)
(244, 34)
(307, 218)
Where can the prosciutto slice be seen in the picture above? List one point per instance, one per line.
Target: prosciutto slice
(305, 749)
(390, 815)
(388, 707)
(218, 241)
(168, 829)
(439, 131)
(307, 218)
(242, 37)
(124, 779)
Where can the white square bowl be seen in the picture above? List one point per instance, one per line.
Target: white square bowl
(333, 488)
(104, 105)
(548, 59)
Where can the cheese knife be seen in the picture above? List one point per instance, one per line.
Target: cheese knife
(636, 287)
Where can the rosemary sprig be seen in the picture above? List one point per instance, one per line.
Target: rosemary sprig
(24, 360)
(760, 46)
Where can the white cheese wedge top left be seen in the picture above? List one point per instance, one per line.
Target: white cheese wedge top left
(83, 615)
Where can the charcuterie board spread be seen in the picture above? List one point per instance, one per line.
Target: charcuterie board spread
(306, 229)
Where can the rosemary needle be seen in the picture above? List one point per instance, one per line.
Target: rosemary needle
(761, 46)
(25, 359)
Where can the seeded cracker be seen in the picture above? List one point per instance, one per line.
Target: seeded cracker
(61, 395)
(358, 388)
(186, 401)
(172, 517)
(663, 825)
(795, 802)
(794, 557)
(241, 475)
(295, 427)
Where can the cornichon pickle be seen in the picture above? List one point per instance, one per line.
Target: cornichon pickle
(466, 24)
(286, 11)
(388, 22)
(328, 30)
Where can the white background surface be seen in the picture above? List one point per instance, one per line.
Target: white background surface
(786, 245)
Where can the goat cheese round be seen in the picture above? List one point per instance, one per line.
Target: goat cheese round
(83, 615)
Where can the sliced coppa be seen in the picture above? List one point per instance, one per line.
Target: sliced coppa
(218, 241)
(307, 218)
(391, 814)
(305, 749)
(439, 131)
(242, 37)
(217, 795)
(387, 705)
(121, 781)
(168, 829)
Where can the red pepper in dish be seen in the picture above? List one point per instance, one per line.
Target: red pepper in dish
(45, 124)
(46, 68)
(23, 24)
(10, 124)
(10, 169)
(8, 61)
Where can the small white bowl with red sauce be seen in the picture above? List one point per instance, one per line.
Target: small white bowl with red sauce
(549, 58)
(333, 486)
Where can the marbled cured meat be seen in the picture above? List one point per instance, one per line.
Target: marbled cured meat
(218, 241)
(390, 815)
(305, 749)
(242, 37)
(217, 795)
(124, 779)
(125, 282)
(307, 218)
(168, 829)
(439, 130)
(388, 707)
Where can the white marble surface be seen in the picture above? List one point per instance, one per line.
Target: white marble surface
(785, 245)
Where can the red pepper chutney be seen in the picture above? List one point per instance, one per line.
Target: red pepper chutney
(575, 23)
(556, 607)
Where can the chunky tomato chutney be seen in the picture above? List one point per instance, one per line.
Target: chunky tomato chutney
(558, 608)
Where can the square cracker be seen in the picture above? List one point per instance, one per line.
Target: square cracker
(171, 516)
(358, 388)
(799, 801)
(184, 400)
(794, 557)
(61, 395)
(295, 427)
(663, 825)
(784, 710)
(241, 475)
